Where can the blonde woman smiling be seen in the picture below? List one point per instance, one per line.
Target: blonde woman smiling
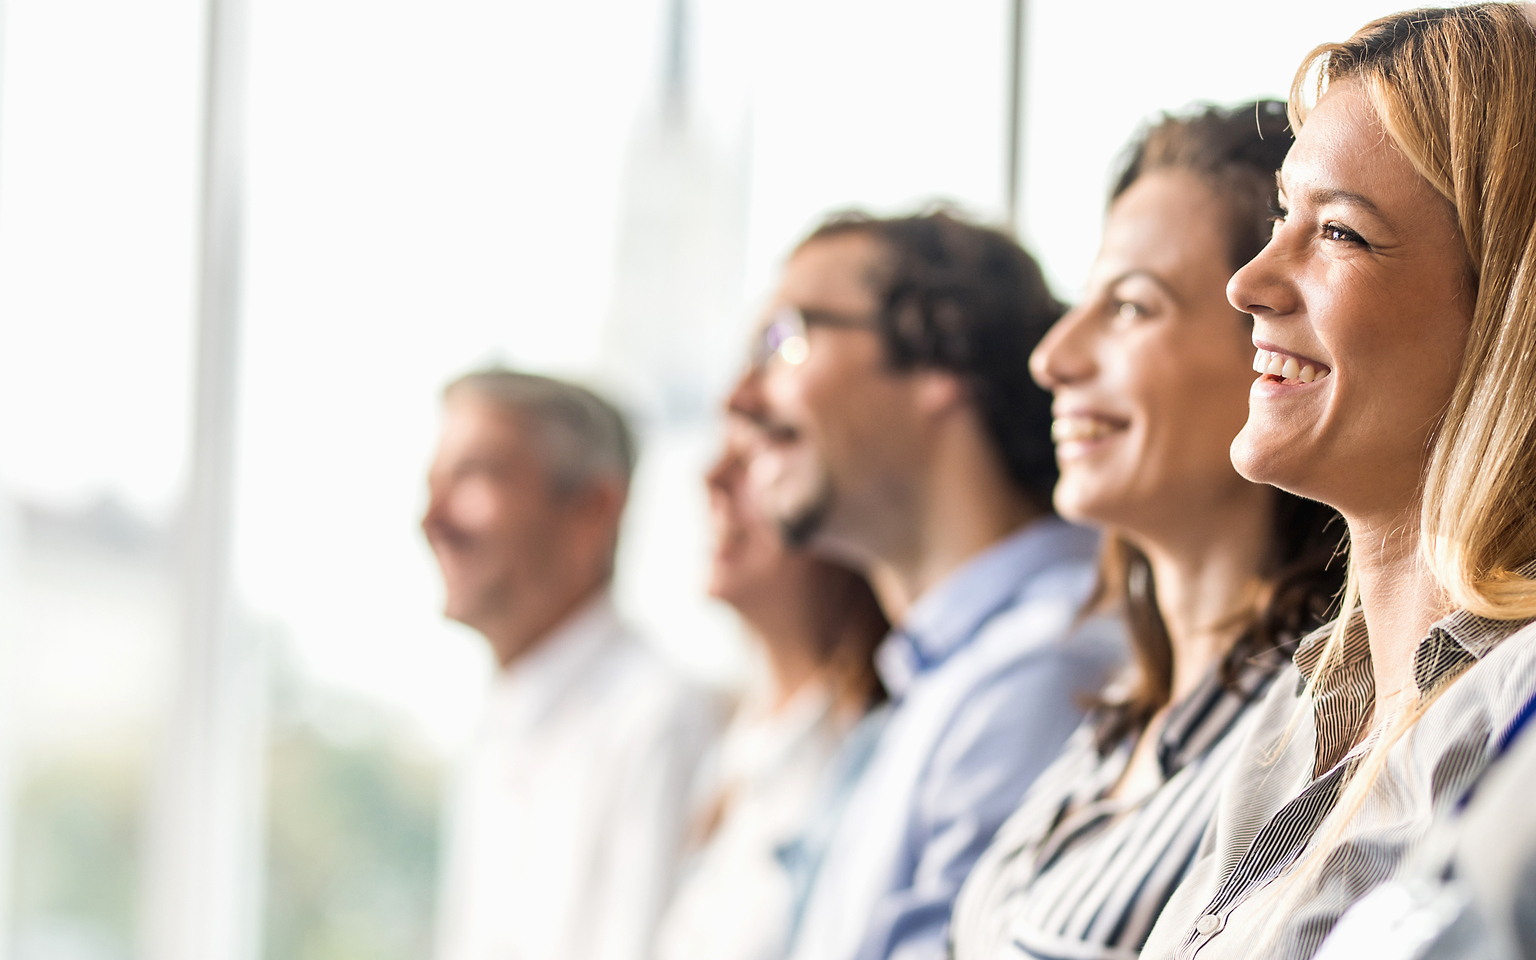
(1395, 326)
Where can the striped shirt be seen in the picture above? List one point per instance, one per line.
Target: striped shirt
(1252, 892)
(1469, 891)
(1078, 873)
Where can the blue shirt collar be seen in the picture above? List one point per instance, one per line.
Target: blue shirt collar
(953, 611)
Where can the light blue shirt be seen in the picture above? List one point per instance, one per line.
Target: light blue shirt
(988, 677)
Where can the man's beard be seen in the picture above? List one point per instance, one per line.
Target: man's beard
(802, 524)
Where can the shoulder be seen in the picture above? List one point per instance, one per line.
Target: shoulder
(1078, 764)
(981, 912)
(1047, 641)
(1511, 664)
(1046, 617)
(1010, 725)
(1460, 729)
(646, 695)
(1049, 624)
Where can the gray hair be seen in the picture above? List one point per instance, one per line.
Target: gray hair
(585, 438)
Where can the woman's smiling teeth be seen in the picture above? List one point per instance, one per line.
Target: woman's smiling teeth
(1079, 427)
(1287, 369)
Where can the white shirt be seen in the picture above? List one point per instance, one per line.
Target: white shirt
(736, 900)
(568, 813)
(987, 677)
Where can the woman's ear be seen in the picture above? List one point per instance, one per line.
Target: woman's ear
(938, 392)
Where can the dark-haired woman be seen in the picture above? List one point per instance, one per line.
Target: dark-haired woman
(1218, 577)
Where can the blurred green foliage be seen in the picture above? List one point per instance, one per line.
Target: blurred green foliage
(352, 848)
(352, 800)
(77, 860)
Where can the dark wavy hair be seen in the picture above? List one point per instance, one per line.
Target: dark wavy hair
(1236, 152)
(966, 298)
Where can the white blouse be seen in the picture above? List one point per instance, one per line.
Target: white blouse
(736, 899)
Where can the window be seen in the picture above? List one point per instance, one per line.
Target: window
(602, 191)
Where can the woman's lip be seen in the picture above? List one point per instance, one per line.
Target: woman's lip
(1271, 387)
(1083, 426)
(1061, 411)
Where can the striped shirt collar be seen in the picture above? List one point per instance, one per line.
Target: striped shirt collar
(1204, 716)
(1344, 699)
(1455, 641)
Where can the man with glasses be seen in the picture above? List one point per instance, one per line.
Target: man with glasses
(902, 432)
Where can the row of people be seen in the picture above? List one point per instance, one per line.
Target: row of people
(1191, 621)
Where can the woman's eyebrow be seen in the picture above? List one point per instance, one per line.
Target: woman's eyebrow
(1120, 278)
(1318, 196)
(1156, 280)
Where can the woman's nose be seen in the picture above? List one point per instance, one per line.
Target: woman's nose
(1260, 286)
(1062, 356)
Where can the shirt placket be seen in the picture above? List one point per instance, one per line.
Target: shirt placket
(1275, 847)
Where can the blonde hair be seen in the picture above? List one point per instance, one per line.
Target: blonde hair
(1455, 89)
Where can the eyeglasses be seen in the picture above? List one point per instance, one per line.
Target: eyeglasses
(784, 335)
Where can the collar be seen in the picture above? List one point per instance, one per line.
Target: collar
(1457, 642)
(1357, 645)
(1452, 643)
(525, 691)
(952, 613)
(1204, 716)
(761, 741)
(1344, 697)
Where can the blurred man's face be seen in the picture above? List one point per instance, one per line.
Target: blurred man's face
(835, 418)
(493, 520)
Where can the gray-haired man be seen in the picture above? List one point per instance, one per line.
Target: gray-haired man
(568, 813)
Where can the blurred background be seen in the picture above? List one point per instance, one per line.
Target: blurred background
(401, 190)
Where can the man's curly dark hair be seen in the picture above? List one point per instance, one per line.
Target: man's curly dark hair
(966, 298)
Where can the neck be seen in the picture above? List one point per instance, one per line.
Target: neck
(966, 504)
(1400, 597)
(791, 645)
(1207, 578)
(526, 627)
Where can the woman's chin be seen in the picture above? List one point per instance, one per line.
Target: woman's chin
(1260, 457)
(1079, 503)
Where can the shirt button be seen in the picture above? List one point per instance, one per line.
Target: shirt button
(1207, 924)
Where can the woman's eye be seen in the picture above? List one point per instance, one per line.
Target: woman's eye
(1128, 311)
(1277, 213)
(1340, 233)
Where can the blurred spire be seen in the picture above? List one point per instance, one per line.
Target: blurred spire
(674, 90)
(668, 340)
